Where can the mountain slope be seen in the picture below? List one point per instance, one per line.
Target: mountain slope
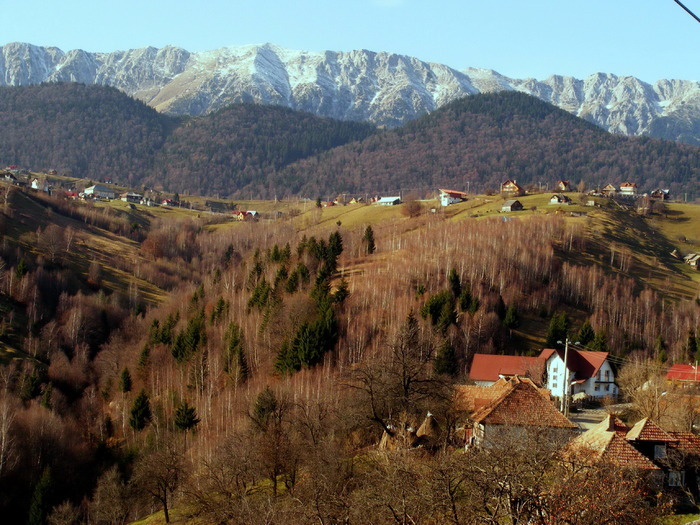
(97, 132)
(383, 88)
(485, 139)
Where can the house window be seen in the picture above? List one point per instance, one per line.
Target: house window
(597, 388)
(676, 478)
(607, 375)
(554, 377)
(554, 385)
(659, 451)
(607, 388)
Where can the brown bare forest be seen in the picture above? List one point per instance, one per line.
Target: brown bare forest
(255, 388)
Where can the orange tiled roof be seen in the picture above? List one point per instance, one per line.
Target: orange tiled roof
(646, 430)
(686, 442)
(607, 441)
(490, 367)
(522, 404)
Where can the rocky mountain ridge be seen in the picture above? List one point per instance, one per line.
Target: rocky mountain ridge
(382, 88)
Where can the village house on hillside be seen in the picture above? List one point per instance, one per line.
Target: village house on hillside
(558, 198)
(660, 194)
(389, 201)
(40, 185)
(562, 185)
(590, 373)
(486, 369)
(671, 458)
(99, 191)
(628, 189)
(130, 196)
(515, 404)
(684, 375)
(512, 205)
(448, 197)
(511, 188)
(609, 190)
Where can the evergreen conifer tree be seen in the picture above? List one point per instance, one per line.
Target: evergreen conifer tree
(140, 412)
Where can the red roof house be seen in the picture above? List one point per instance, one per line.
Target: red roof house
(683, 373)
(486, 369)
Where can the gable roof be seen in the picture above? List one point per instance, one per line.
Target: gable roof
(511, 202)
(646, 430)
(583, 362)
(607, 442)
(522, 404)
(683, 373)
(454, 193)
(511, 182)
(489, 367)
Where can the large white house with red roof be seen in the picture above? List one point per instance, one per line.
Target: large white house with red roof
(590, 373)
(448, 197)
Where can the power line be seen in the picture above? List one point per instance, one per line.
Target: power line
(687, 10)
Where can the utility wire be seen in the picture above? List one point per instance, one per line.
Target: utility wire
(687, 10)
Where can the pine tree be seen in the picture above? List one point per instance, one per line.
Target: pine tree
(500, 308)
(186, 417)
(585, 334)
(455, 283)
(342, 292)
(558, 330)
(446, 360)
(41, 499)
(125, 381)
(368, 240)
(140, 412)
(600, 342)
(511, 319)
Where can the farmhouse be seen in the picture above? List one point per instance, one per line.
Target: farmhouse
(512, 205)
(589, 373)
(609, 190)
(558, 198)
(40, 185)
(628, 189)
(512, 188)
(389, 201)
(519, 406)
(486, 369)
(99, 191)
(684, 374)
(669, 457)
(130, 196)
(660, 194)
(563, 185)
(448, 197)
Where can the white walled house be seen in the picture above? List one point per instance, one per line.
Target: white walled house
(590, 373)
(100, 191)
(448, 197)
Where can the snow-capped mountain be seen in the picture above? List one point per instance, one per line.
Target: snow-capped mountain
(383, 88)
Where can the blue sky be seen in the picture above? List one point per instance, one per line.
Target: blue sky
(650, 39)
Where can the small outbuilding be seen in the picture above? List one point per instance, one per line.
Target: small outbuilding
(512, 205)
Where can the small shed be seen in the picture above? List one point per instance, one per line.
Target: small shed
(512, 205)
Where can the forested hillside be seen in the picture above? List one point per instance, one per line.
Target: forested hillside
(266, 151)
(486, 139)
(97, 132)
(256, 386)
